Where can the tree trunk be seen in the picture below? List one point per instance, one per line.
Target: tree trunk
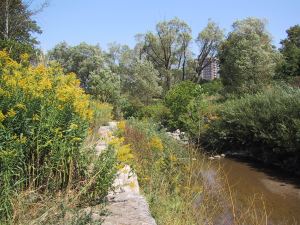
(6, 32)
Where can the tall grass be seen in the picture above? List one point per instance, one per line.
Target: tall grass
(87, 195)
(182, 186)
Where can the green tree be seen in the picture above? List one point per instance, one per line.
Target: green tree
(291, 53)
(17, 27)
(208, 41)
(143, 81)
(167, 48)
(82, 59)
(247, 58)
(104, 86)
(139, 79)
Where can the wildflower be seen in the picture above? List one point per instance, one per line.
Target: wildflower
(57, 130)
(20, 106)
(23, 139)
(132, 185)
(4, 93)
(124, 153)
(76, 139)
(73, 126)
(173, 158)
(206, 126)
(156, 144)
(24, 57)
(122, 125)
(2, 117)
(35, 117)
(116, 141)
(11, 113)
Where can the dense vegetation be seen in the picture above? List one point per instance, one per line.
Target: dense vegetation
(44, 121)
(179, 184)
(51, 106)
(264, 126)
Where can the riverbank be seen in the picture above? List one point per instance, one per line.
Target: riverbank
(181, 184)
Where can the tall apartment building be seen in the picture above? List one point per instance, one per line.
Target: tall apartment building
(211, 71)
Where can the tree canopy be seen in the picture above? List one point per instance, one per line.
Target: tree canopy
(208, 41)
(291, 53)
(247, 57)
(17, 27)
(167, 48)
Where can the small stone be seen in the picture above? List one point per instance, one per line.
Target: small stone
(95, 217)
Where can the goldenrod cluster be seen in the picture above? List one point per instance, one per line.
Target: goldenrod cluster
(124, 152)
(39, 104)
(122, 125)
(27, 83)
(156, 144)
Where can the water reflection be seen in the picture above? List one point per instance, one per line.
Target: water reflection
(281, 191)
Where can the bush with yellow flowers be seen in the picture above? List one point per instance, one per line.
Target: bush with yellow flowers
(123, 151)
(44, 117)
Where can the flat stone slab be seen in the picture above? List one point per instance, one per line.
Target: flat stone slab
(128, 209)
(126, 206)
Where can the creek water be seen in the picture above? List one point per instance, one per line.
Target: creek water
(280, 191)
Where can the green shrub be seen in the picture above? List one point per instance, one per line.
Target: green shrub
(130, 107)
(212, 87)
(178, 98)
(157, 112)
(201, 111)
(267, 125)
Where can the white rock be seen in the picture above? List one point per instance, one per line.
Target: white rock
(100, 148)
(112, 124)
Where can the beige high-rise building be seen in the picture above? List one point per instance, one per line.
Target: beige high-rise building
(211, 71)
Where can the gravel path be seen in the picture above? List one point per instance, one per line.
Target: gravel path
(126, 206)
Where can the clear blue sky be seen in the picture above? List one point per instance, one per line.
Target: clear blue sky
(106, 21)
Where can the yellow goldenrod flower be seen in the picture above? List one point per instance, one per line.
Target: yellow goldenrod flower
(23, 139)
(75, 139)
(116, 141)
(24, 57)
(35, 117)
(121, 125)
(11, 113)
(124, 153)
(156, 144)
(73, 126)
(20, 106)
(2, 117)
(173, 158)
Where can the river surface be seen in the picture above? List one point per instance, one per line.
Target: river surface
(280, 191)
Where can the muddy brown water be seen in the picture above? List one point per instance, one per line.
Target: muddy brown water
(280, 191)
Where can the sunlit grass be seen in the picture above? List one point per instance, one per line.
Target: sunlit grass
(183, 187)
